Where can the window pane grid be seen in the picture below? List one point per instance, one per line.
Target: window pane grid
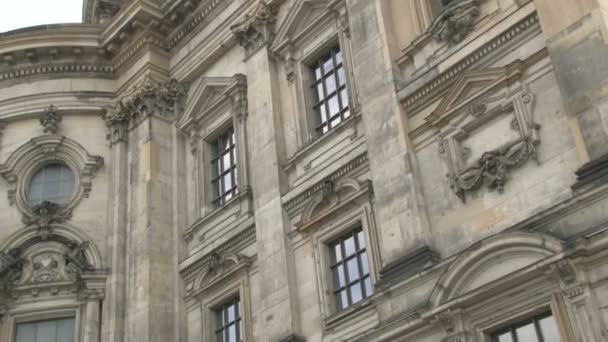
(224, 168)
(228, 322)
(352, 282)
(53, 182)
(541, 328)
(330, 89)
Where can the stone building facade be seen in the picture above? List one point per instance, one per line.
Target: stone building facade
(306, 170)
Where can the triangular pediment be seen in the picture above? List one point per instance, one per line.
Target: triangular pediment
(301, 15)
(470, 86)
(204, 94)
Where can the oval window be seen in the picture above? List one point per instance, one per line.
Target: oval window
(52, 182)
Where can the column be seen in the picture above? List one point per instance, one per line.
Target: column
(278, 313)
(114, 306)
(403, 228)
(151, 298)
(91, 325)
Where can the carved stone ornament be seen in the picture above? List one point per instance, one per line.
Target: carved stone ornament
(493, 168)
(256, 29)
(11, 267)
(106, 9)
(49, 119)
(44, 215)
(215, 268)
(20, 166)
(75, 261)
(456, 21)
(150, 98)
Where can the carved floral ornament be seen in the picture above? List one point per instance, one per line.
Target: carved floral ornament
(23, 163)
(164, 100)
(49, 120)
(456, 21)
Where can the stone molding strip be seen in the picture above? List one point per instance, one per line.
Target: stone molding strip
(105, 70)
(244, 237)
(412, 101)
(320, 185)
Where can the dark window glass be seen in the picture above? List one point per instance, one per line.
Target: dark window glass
(228, 325)
(331, 91)
(223, 164)
(53, 182)
(350, 267)
(541, 328)
(57, 330)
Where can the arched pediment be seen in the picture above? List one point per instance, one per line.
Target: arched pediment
(219, 267)
(492, 259)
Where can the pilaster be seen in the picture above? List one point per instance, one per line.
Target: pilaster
(577, 40)
(277, 313)
(143, 138)
(400, 213)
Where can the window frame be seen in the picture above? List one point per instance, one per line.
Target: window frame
(218, 195)
(31, 315)
(343, 260)
(534, 320)
(321, 239)
(324, 126)
(236, 285)
(221, 310)
(38, 169)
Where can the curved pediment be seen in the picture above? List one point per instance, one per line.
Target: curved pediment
(492, 259)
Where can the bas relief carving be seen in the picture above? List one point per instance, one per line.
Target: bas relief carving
(456, 21)
(256, 29)
(486, 135)
(164, 100)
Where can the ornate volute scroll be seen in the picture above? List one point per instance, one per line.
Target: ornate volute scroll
(456, 21)
(256, 29)
(49, 120)
(150, 98)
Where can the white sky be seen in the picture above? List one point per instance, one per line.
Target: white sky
(16, 14)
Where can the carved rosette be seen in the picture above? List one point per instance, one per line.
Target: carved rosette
(256, 29)
(456, 21)
(150, 98)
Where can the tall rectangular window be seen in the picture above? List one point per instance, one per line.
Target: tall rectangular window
(350, 268)
(56, 330)
(225, 179)
(228, 322)
(331, 91)
(541, 328)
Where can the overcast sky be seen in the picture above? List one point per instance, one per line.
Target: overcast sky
(16, 14)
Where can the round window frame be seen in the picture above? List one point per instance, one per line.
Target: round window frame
(22, 163)
(29, 176)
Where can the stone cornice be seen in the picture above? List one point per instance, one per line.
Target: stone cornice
(319, 186)
(242, 238)
(414, 99)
